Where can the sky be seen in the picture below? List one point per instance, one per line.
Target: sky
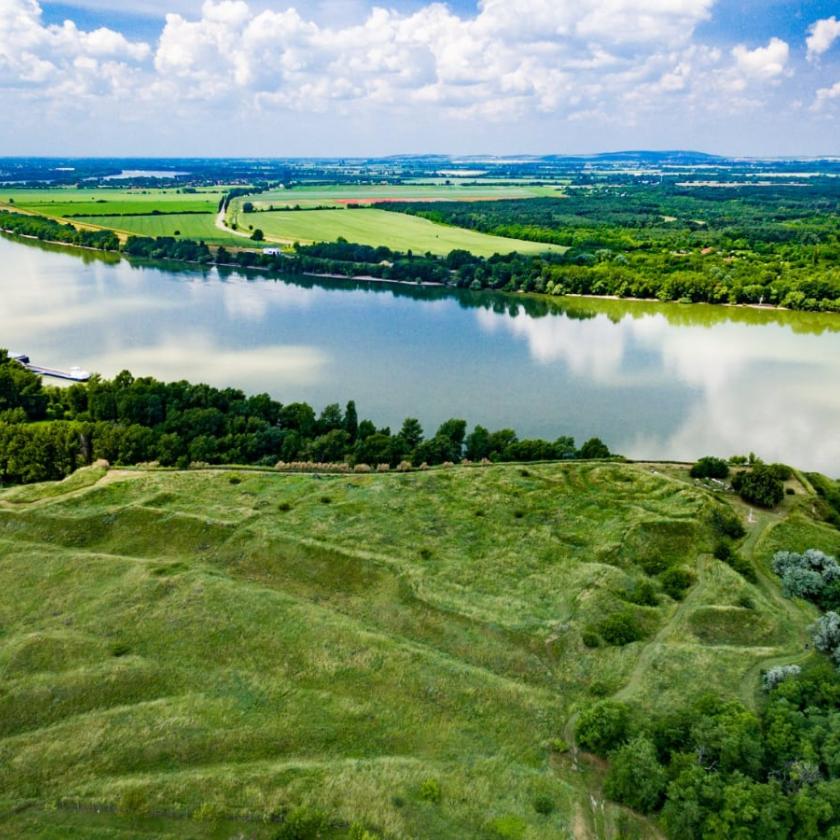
(465, 77)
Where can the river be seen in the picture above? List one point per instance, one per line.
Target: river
(653, 380)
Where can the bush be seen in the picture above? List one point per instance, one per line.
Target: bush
(636, 778)
(676, 582)
(826, 633)
(594, 449)
(727, 524)
(603, 727)
(643, 593)
(544, 805)
(709, 467)
(302, 824)
(620, 628)
(776, 676)
(812, 575)
(591, 639)
(726, 554)
(759, 486)
(781, 471)
(430, 790)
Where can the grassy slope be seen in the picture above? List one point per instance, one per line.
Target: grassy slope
(381, 227)
(174, 640)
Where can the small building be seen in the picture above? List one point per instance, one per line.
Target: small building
(273, 252)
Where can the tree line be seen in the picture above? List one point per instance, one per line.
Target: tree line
(46, 433)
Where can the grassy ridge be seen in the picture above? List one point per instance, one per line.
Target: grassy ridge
(228, 645)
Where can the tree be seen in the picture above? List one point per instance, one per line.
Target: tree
(258, 235)
(759, 486)
(710, 467)
(351, 420)
(635, 777)
(603, 727)
(411, 433)
(594, 449)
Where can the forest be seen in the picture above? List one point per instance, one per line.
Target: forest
(47, 433)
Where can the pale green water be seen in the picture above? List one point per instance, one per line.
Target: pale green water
(657, 381)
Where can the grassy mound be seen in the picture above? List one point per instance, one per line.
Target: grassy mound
(204, 653)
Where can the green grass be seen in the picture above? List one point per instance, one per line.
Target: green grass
(341, 194)
(380, 227)
(199, 227)
(62, 203)
(174, 645)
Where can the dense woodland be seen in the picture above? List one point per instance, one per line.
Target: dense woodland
(776, 245)
(47, 433)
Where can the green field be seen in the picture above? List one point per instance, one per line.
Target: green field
(61, 203)
(188, 226)
(381, 227)
(189, 654)
(341, 194)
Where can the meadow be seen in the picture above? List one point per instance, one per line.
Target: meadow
(380, 227)
(338, 195)
(199, 653)
(197, 226)
(65, 202)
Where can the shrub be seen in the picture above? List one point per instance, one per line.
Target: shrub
(781, 471)
(676, 582)
(302, 824)
(810, 575)
(727, 524)
(726, 554)
(507, 827)
(591, 639)
(636, 778)
(777, 675)
(642, 592)
(603, 727)
(544, 805)
(430, 790)
(759, 486)
(620, 628)
(710, 467)
(826, 633)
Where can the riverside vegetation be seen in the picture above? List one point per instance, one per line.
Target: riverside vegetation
(237, 651)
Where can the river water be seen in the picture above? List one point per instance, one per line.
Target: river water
(653, 380)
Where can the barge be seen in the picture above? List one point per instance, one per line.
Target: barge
(75, 374)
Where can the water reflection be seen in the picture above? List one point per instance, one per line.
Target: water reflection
(653, 380)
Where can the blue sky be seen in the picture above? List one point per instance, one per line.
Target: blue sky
(336, 77)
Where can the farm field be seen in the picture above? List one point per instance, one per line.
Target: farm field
(380, 227)
(342, 194)
(61, 203)
(185, 653)
(189, 226)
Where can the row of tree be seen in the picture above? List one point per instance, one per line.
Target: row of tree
(46, 433)
(49, 230)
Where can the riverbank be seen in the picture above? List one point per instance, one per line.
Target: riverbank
(368, 278)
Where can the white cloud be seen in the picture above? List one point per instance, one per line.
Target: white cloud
(822, 36)
(826, 95)
(509, 60)
(763, 63)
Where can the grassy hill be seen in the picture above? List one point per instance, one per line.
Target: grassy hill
(198, 654)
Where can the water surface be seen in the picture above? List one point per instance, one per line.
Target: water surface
(653, 380)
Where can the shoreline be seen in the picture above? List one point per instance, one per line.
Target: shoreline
(365, 278)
